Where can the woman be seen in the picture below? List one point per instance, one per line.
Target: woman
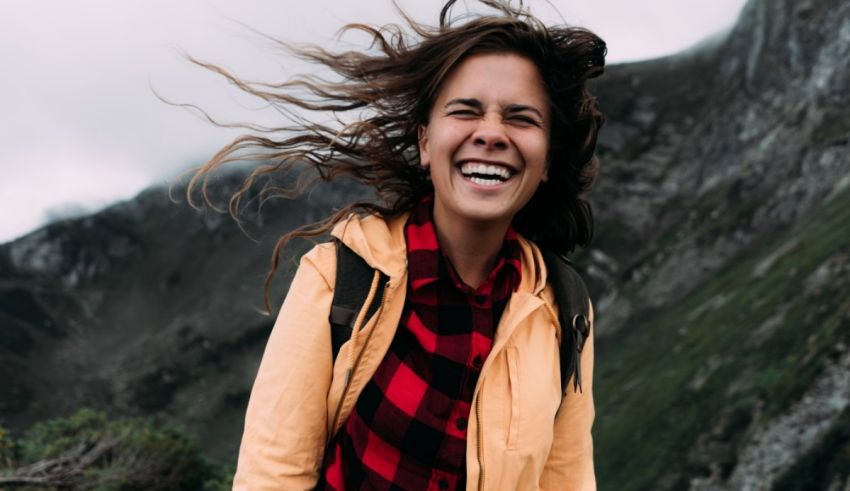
(478, 139)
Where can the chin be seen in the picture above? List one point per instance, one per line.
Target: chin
(486, 213)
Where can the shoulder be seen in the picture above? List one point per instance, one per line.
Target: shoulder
(378, 240)
(322, 258)
(566, 288)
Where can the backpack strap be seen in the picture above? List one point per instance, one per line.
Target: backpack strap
(573, 310)
(351, 288)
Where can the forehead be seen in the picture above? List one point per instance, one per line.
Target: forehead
(502, 78)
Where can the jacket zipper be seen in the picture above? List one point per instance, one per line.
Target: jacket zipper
(349, 374)
(480, 442)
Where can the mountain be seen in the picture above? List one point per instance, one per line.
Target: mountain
(148, 307)
(723, 258)
(720, 274)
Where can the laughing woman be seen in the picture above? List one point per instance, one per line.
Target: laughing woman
(478, 138)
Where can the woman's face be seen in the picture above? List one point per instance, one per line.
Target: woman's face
(487, 139)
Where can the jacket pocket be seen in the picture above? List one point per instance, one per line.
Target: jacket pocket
(512, 354)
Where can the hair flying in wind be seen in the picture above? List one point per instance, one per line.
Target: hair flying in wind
(380, 97)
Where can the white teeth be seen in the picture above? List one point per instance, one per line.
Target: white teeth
(485, 182)
(469, 168)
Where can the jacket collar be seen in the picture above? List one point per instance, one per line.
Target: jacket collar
(533, 269)
(380, 242)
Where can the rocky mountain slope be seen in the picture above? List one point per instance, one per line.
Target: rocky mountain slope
(724, 258)
(145, 308)
(720, 271)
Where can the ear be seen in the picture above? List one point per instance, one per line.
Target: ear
(545, 176)
(424, 156)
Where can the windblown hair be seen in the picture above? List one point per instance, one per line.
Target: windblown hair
(385, 93)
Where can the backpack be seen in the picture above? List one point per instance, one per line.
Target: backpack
(354, 278)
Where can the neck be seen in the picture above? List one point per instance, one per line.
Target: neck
(472, 247)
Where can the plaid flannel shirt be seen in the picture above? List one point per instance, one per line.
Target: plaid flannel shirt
(407, 430)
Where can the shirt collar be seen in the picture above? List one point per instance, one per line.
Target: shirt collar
(427, 263)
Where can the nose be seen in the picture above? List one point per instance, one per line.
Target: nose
(490, 135)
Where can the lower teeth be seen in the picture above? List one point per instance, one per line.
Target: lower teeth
(485, 182)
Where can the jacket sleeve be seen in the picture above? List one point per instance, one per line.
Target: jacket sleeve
(286, 421)
(569, 466)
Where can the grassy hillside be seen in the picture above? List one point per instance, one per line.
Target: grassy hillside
(688, 384)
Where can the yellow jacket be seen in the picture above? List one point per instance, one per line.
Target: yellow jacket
(517, 439)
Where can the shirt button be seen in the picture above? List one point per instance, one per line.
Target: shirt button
(461, 423)
(477, 362)
(443, 484)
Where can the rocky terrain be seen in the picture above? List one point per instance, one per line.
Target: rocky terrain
(723, 340)
(721, 273)
(148, 307)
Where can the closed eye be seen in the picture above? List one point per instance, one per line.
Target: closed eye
(524, 115)
(525, 120)
(463, 112)
(463, 107)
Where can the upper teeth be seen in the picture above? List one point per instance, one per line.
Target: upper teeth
(485, 169)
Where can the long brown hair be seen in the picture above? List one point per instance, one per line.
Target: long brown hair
(389, 89)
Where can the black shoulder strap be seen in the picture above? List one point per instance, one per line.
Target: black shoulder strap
(573, 304)
(353, 281)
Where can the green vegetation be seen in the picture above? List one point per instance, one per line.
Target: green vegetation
(686, 384)
(90, 451)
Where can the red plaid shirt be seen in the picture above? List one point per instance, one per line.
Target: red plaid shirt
(407, 430)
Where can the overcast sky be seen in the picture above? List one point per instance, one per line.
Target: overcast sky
(81, 128)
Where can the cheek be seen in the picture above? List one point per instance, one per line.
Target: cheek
(535, 150)
(443, 146)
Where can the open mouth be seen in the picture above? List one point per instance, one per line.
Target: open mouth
(485, 174)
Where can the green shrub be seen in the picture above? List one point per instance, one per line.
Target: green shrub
(90, 451)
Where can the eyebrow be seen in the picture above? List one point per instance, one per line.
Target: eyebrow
(511, 108)
(475, 103)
